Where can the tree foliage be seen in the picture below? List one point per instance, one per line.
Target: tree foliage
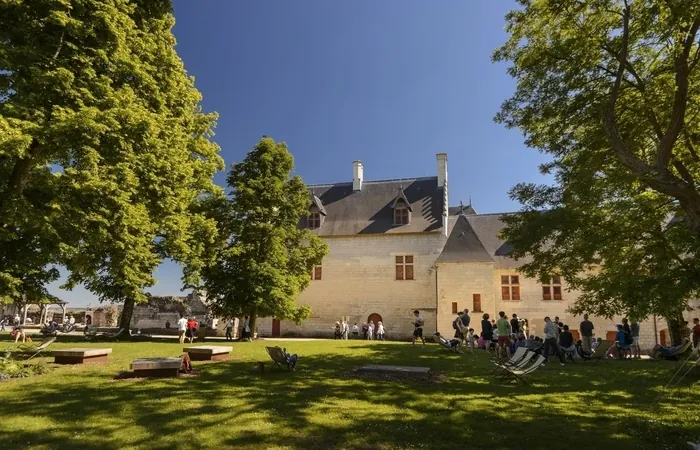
(104, 149)
(264, 259)
(609, 89)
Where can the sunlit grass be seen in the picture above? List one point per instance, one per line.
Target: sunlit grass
(230, 405)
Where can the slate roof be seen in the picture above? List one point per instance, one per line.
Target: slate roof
(463, 245)
(369, 211)
(481, 237)
(456, 210)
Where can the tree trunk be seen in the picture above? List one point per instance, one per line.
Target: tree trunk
(251, 322)
(125, 318)
(677, 329)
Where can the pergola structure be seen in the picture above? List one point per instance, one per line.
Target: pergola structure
(44, 309)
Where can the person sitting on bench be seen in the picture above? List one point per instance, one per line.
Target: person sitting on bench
(291, 359)
(455, 344)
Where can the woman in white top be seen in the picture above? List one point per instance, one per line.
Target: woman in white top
(380, 331)
(370, 332)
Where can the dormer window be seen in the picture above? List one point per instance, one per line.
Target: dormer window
(314, 220)
(401, 215)
(402, 209)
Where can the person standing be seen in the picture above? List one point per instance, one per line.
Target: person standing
(17, 319)
(181, 328)
(417, 328)
(515, 325)
(551, 334)
(486, 330)
(636, 350)
(504, 332)
(380, 331)
(466, 320)
(355, 331)
(192, 328)
(586, 328)
(370, 331)
(3, 322)
(696, 333)
(345, 329)
(246, 328)
(229, 328)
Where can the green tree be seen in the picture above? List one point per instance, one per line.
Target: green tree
(609, 89)
(104, 149)
(264, 259)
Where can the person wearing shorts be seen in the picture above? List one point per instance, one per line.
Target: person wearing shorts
(636, 350)
(504, 331)
(418, 328)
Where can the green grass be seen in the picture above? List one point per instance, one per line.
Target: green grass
(618, 405)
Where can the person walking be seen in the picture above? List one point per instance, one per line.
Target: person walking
(3, 322)
(229, 328)
(417, 328)
(246, 328)
(192, 328)
(181, 328)
(586, 328)
(504, 332)
(551, 334)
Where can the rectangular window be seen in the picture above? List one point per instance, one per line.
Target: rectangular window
(314, 220)
(404, 267)
(317, 273)
(476, 305)
(454, 307)
(400, 216)
(510, 287)
(552, 289)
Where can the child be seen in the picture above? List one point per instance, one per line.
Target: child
(471, 339)
(418, 328)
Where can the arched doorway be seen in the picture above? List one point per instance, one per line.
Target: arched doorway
(374, 318)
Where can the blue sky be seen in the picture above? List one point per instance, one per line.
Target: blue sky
(387, 82)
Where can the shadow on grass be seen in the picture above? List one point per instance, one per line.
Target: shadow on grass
(231, 404)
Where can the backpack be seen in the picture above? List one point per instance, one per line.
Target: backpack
(628, 339)
(454, 324)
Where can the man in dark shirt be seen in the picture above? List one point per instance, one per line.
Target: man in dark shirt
(515, 325)
(466, 319)
(586, 329)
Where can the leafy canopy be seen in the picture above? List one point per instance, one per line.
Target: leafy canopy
(264, 259)
(609, 89)
(104, 149)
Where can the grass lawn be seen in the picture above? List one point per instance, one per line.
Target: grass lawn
(617, 405)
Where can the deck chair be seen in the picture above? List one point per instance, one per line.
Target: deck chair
(520, 365)
(519, 374)
(277, 356)
(514, 359)
(601, 352)
(35, 350)
(108, 336)
(674, 356)
(445, 343)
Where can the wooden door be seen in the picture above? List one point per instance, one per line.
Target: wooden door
(663, 338)
(575, 334)
(476, 304)
(611, 335)
(275, 328)
(374, 318)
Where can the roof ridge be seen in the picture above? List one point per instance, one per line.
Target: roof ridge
(392, 180)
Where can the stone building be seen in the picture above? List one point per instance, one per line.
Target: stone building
(396, 246)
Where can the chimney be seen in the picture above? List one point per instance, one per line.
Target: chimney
(442, 183)
(442, 169)
(357, 175)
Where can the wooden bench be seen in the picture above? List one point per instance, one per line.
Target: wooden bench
(81, 355)
(156, 367)
(208, 352)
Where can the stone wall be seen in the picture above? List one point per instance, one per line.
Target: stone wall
(359, 279)
(458, 283)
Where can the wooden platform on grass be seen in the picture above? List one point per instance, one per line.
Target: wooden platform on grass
(81, 355)
(208, 352)
(156, 367)
(402, 371)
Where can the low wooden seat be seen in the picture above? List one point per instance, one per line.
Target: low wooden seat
(208, 352)
(156, 367)
(81, 355)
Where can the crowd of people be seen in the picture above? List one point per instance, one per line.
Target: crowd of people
(370, 331)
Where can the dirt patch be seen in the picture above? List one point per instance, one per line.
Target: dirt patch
(432, 378)
(194, 373)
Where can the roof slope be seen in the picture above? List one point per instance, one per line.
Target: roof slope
(369, 211)
(457, 210)
(463, 245)
(488, 228)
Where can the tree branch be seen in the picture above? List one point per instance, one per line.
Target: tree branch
(680, 101)
(60, 46)
(683, 171)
